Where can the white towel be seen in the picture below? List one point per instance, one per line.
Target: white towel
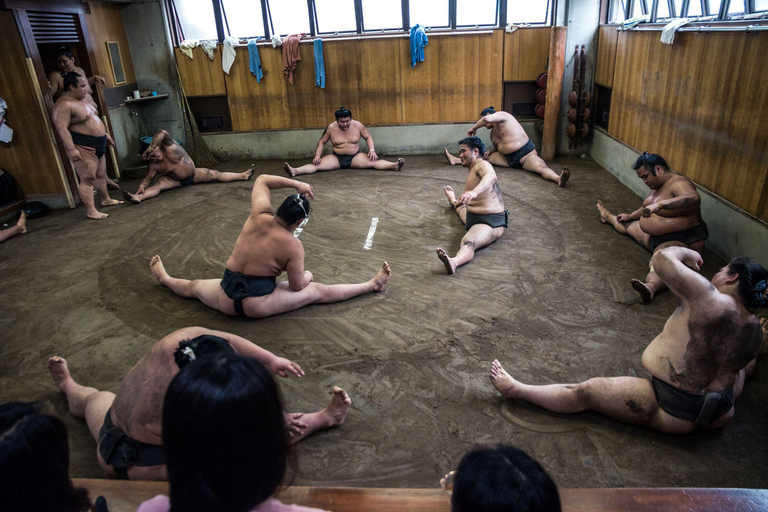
(276, 41)
(187, 46)
(668, 32)
(208, 47)
(228, 53)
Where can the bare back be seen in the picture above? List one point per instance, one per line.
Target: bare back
(264, 247)
(346, 142)
(669, 221)
(490, 200)
(507, 134)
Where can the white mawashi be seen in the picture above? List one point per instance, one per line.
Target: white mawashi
(371, 231)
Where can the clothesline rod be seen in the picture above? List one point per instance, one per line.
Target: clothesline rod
(383, 36)
(749, 28)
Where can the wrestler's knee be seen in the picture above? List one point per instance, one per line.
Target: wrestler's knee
(88, 179)
(469, 243)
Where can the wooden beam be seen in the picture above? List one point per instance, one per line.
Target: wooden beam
(554, 91)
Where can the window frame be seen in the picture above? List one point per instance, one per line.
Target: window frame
(707, 14)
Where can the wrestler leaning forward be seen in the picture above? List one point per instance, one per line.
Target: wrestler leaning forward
(480, 207)
(344, 135)
(85, 141)
(265, 249)
(167, 158)
(128, 425)
(698, 363)
(511, 147)
(669, 216)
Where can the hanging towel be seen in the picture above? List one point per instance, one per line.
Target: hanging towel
(418, 42)
(319, 64)
(291, 56)
(208, 47)
(187, 46)
(228, 53)
(254, 62)
(276, 41)
(668, 32)
(633, 22)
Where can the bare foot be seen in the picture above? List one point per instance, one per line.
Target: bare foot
(381, 279)
(645, 292)
(564, 177)
(451, 195)
(112, 184)
(451, 159)
(400, 163)
(60, 373)
(605, 215)
(22, 222)
(337, 408)
(247, 174)
(450, 266)
(131, 198)
(97, 215)
(502, 381)
(111, 202)
(157, 268)
(289, 170)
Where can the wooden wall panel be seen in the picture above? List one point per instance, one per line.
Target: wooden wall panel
(526, 52)
(421, 102)
(31, 157)
(105, 23)
(201, 76)
(380, 92)
(702, 103)
(606, 54)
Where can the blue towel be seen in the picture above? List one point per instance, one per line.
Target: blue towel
(418, 42)
(254, 60)
(319, 64)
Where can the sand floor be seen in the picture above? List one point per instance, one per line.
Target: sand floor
(551, 300)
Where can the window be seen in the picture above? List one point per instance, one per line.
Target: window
(383, 14)
(289, 16)
(196, 18)
(736, 7)
(637, 8)
(244, 18)
(694, 8)
(335, 16)
(475, 12)
(761, 5)
(616, 11)
(527, 11)
(429, 13)
(714, 7)
(663, 10)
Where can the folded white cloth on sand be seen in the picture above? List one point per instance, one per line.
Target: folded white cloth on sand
(208, 47)
(668, 32)
(187, 46)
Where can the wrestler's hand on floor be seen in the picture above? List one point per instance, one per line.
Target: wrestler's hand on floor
(281, 365)
(292, 424)
(372, 155)
(74, 155)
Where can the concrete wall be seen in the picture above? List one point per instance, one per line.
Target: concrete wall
(126, 126)
(732, 232)
(155, 68)
(389, 141)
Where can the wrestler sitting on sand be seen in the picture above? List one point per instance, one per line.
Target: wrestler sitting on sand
(128, 426)
(265, 249)
(167, 158)
(511, 147)
(670, 215)
(480, 207)
(345, 136)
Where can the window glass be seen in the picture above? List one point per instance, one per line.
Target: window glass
(196, 18)
(694, 8)
(527, 11)
(679, 7)
(336, 16)
(617, 11)
(429, 13)
(761, 5)
(382, 14)
(663, 10)
(714, 7)
(475, 12)
(637, 9)
(289, 16)
(244, 18)
(736, 7)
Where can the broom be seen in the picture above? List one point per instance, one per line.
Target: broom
(197, 149)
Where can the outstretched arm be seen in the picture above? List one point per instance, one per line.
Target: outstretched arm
(320, 146)
(486, 182)
(678, 268)
(490, 118)
(635, 215)
(684, 198)
(260, 200)
(369, 142)
(96, 78)
(147, 181)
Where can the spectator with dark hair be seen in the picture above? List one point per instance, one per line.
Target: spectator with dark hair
(66, 63)
(501, 479)
(225, 443)
(511, 146)
(344, 135)
(698, 364)
(669, 216)
(127, 426)
(265, 249)
(480, 207)
(34, 463)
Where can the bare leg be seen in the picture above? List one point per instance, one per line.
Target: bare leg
(112, 185)
(452, 159)
(478, 236)
(533, 163)
(203, 175)
(606, 216)
(101, 184)
(361, 161)
(19, 228)
(332, 416)
(327, 163)
(627, 399)
(86, 171)
(163, 183)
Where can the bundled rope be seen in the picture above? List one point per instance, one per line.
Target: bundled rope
(197, 149)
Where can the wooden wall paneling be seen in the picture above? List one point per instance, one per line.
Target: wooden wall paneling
(105, 23)
(534, 52)
(248, 99)
(512, 56)
(606, 55)
(305, 101)
(380, 85)
(627, 86)
(201, 76)
(342, 82)
(421, 85)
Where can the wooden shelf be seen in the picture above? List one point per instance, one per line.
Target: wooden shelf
(146, 98)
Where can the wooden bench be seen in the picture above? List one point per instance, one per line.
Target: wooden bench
(124, 496)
